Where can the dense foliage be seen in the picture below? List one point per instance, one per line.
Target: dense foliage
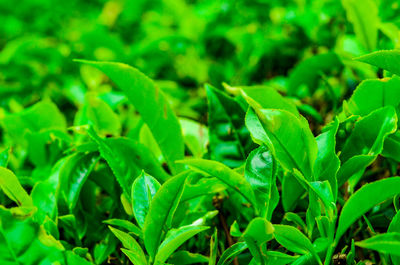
(247, 132)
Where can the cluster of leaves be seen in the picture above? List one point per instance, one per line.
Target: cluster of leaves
(117, 168)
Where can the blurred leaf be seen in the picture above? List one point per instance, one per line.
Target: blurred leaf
(363, 14)
(229, 138)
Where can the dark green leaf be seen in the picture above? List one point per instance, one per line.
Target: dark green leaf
(229, 138)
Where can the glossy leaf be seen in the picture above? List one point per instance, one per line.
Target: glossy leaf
(185, 257)
(386, 59)
(394, 227)
(232, 179)
(268, 98)
(292, 239)
(143, 190)
(74, 173)
(364, 199)
(374, 94)
(130, 227)
(127, 159)
(174, 239)
(231, 253)
(327, 163)
(290, 139)
(135, 252)
(152, 105)
(388, 243)
(12, 188)
(258, 232)
(366, 141)
(260, 172)
(278, 258)
(161, 212)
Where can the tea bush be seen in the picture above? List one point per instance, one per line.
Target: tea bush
(200, 132)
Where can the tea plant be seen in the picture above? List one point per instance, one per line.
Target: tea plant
(199, 165)
(295, 198)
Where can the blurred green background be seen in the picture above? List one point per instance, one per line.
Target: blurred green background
(302, 48)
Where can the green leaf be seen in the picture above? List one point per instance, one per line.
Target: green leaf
(306, 74)
(152, 105)
(327, 163)
(44, 115)
(185, 257)
(388, 243)
(4, 157)
(232, 179)
(363, 14)
(366, 142)
(135, 252)
(289, 139)
(278, 258)
(98, 114)
(213, 248)
(74, 173)
(127, 159)
(260, 172)
(391, 146)
(268, 98)
(174, 239)
(292, 190)
(130, 227)
(161, 212)
(364, 199)
(133, 256)
(295, 241)
(374, 94)
(23, 241)
(12, 188)
(387, 59)
(394, 227)
(258, 232)
(143, 190)
(230, 140)
(231, 252)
